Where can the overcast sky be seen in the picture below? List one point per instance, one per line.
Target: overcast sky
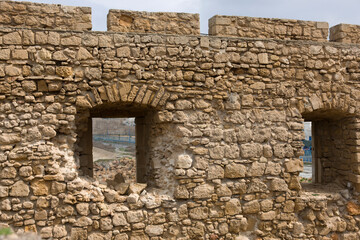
(331, 11)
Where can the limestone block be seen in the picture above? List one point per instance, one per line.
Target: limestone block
(12, 38)
(316, 102)
(268, 215)
(215, 172)
(263, 58)
(123, 52)
(121, 236)
(257, 186)
(4, 54)
(235, 170)
(46, 232)
(251, 207)
(12, 71)
(134, 216)
(29, 86)
(279, 185)
(257, 169)
(83, 209)
(250, 150)
(4, 191)
(19, 189)
(119, 219)
(83, 222)
(249, 57)
(266, 205)
(64, 71)
(294, 165)
(137, 187)
(183, 161)
(289, 206)
(59, 231)
(154, 230)
(40, 187)
(232, 151)
(21, 54)
(5, 205)
(237, 225)
(199, 213)
(233, 207)
(71, 41)
(273, 168)
(79, 234)
(83, 102)
(83, 54)
(41, 215)
(48, 132)
(217, 152)
(122, 188)
(183, 105)
(106, 224)
(223, 191)
(8, 172)
(203, 191)
(283, 150)
(132, 198)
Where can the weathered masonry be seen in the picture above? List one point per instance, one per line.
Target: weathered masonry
(219, 118)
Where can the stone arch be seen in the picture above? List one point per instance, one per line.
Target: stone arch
(335, 120)
(125, 92)
(328, 103)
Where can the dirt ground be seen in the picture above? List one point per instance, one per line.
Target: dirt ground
(111, 159)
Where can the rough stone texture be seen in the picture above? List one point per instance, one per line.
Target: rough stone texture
(155, 22)
(49, 16)
(220, 129)
(268, 28)
(345, 33)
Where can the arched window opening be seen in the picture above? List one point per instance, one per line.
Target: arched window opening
(333, 149)
(112, 143)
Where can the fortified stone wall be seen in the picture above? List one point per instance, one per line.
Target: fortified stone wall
(48, 16)
(221, 120)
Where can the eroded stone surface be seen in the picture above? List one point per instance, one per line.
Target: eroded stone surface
(222, 121)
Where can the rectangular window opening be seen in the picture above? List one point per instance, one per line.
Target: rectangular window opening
(306, 176)
(114, 150)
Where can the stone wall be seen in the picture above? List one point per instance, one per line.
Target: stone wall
(288, 29)
(49, 16)
(155, 22)
(224, 125)
(346, 33)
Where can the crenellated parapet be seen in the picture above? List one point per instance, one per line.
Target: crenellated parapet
(153, 22)
(219, 125)
(251, 27)
(345, 33)
(48, 16)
